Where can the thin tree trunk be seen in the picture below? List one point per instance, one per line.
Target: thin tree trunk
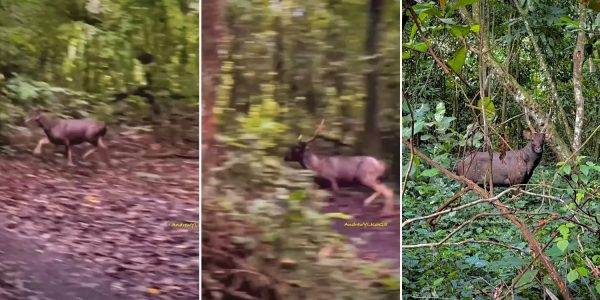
(546, 75)
(578, 58)
(211, 33)
(521, 97)
(372, 139)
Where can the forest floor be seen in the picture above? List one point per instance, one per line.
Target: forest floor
(94, 232)
(373, 243)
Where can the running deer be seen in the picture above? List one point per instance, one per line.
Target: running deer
(516, 167)
(69, 133)
(364, 169)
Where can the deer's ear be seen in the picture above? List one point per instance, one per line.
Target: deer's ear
(527, 134)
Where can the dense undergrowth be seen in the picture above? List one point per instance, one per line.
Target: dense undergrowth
(285, 239)
(489, 254)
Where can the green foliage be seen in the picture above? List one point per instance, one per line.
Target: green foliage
(76, 56)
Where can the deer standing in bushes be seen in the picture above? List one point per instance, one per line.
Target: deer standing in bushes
(516, 167)
(509, 168)
(70, 132)
(365, 169)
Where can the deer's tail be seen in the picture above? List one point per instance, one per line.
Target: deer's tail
(386, 171)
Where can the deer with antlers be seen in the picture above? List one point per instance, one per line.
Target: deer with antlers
(364, 169)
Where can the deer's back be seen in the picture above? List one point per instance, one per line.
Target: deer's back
(77, 131)
(352, 167)
(515, 168)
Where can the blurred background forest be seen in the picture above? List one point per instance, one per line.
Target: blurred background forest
(471, 69)
(272, 70)
(124, 62)
(94, 231)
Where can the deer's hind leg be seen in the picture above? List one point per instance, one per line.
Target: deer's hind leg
(69, 154)
(104, 150)
(380, 189)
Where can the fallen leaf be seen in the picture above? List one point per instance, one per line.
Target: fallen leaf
(91, 199)
(325, 251)
(153, 291)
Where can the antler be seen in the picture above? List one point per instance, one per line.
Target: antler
(527, 119)
(547, 120)
(316, 131)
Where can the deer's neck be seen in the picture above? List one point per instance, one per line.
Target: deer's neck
(46, 123)
(310, 161)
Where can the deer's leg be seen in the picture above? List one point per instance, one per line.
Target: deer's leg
(38, 148)
(334, 185)
(372, 183)
(371, 198)
(388, 194)
(380, 189)
(104, 150)
(89, 153)
(69, 155)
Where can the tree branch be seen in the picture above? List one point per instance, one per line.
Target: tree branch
(533, 243)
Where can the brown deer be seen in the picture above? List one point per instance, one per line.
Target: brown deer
(70, 132)
(364, 169)
(516, 167)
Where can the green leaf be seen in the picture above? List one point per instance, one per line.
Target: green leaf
(585, 169)
(490, 109)
(448, 21)
(572, 276)
(430, 172)
(438, 281)
(297, 196)
(406, 55)
(460, 30)
(461, 3)
(458, 59)
(583, 272)
(598, 288)
(566, 169)
(440, 110)
(391, 283)
(420, 47)
(564, 231)
(526, 278)
(338, 215)
(475, 28)
(418, 127)
(562, 245)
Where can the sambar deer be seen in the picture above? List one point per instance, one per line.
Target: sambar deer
(516, 167)
(70, 132)
(364, 169)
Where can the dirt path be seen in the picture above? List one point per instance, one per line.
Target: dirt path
(92, 232)
(374, 243)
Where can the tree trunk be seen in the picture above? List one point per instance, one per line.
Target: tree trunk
(522, 97)
(211, 33)
(546, 75)
(372, 139)
(578, 57)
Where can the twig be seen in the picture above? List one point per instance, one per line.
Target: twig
(467, 242)
(487, 200)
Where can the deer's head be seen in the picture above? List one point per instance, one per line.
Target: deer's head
(536, 138)
(296, 152)
(34, 115)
